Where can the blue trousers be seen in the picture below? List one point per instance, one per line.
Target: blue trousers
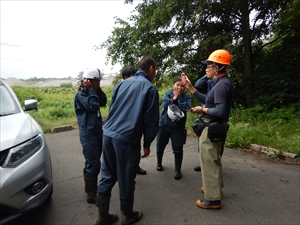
(178, 139)
(119, 163)
(92, 149)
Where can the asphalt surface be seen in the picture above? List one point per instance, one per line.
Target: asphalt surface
(257, 190)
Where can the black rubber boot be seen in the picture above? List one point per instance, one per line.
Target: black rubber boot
(197, 168)
(91, 189)
(178, 161)
(102, 208)
(141, 171)
(159, 156)
(128, 215)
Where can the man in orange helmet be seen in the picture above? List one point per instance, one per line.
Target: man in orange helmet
(215, 115)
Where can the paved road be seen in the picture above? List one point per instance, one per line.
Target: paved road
(257, 191)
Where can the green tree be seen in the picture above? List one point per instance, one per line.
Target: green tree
(277, 63)
(179, 34)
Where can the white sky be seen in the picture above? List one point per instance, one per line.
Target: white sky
(55, 38)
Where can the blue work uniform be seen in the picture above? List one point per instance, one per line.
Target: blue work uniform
(87, 108)
(173, 129)
(134, 111)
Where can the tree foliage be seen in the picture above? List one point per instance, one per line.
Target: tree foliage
(179, 34)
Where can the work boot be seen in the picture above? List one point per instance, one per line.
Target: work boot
(204, 204)
(102, 208)
(197, 168)
(178, 161)
(159, 156)
(91, 189)
(141, 171)
(128, 215)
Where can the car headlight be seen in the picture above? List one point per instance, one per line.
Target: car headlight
(20, 153)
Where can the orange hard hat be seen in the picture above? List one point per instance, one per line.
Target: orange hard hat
(220, 56)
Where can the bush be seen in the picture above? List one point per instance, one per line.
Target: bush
(276, 128)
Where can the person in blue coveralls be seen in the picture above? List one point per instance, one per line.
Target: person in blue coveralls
(87, 102)
(134, 112)
(128, 72)
(172, 125)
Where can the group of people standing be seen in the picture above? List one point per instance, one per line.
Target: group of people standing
(133, 113)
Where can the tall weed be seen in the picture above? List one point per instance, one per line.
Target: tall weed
(278, 128)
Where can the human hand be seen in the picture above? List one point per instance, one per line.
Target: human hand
(188, 83)
(177, 91)
(183, 79)
(88, 84)
(146, 152)
(196, 109)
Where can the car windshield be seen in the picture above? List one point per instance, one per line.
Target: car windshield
(8, 105)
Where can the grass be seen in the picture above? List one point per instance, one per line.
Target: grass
(278, 128)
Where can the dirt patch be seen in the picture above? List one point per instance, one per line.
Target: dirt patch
(281, 159)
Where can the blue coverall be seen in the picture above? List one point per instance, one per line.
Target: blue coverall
(87, 108)
(134, 111)
(169, 129)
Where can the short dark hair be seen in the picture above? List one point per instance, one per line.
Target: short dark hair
(222, 68)
(178, 78)
(128, 71)
(146, 62)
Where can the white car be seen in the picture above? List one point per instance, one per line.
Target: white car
(25, 163)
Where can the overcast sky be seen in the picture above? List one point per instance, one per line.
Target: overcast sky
(56, 38)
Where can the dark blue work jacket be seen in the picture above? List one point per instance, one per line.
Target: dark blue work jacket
(134, 111)
(184, 102)
(87, 108)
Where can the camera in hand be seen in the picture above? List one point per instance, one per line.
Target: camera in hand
(183, 79)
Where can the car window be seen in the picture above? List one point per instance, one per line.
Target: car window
(7, 103)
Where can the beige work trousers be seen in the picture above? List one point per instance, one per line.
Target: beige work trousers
(211, 167)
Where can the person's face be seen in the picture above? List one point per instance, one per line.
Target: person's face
(178, 86)
(152, 73)
(210, 71)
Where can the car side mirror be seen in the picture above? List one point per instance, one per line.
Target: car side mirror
(30, 104)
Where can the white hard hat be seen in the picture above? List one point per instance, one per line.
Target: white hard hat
(92, 74)
(174, 113)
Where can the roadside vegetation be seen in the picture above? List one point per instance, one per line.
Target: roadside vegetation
(261, 36)
(276, 128)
